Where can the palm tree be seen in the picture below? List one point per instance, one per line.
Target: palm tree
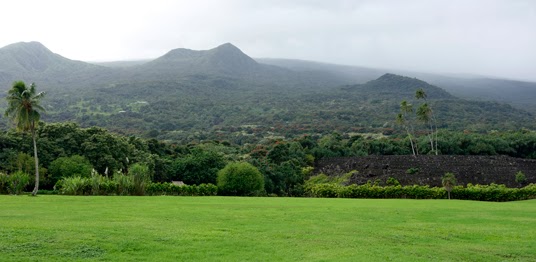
(428, 113)
(424, 113)
(23, 104)
(401, 119)
(448, 181)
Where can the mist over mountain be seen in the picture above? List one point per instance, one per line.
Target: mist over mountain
(222, 93)
(520, 94)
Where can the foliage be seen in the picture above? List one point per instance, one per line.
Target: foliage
(24, 163)
(391, 181)
(124, 183)
(281, 162)
(316, 183)
(499, 193)
(284, 165)
(74, 165)
(74, 185)
(4, 178)
(412, 170)
(23, 109)
(159, 189)
(520, 177)
(14, 183)
(240, 179)
(198, 167)
(494, 192)
(448, 181)
(141, 177)
(426, 115)
(404, 118)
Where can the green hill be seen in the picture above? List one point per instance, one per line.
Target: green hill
(222, 93)
(33, 62)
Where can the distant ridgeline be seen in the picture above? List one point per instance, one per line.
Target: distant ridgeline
(223, 94)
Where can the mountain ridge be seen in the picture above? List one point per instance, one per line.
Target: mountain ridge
(224, 59)
(221, 92)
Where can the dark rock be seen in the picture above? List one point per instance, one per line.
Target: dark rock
(468, 169)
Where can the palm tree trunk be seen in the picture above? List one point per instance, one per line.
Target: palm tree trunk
(411, 142)
(448, 194)
(431, 138)
(34, 192)
(436, 138)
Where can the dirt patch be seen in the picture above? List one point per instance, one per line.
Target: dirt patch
(428, 170)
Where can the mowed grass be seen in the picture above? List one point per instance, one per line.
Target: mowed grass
(67, 228)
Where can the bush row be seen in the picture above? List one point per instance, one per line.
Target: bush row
(96, 185)
(491, 192)
(159, 189)
(494, 192)
(124, 185)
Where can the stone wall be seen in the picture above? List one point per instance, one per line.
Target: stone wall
(468, 169)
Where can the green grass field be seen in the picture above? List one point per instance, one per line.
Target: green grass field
(66, 228)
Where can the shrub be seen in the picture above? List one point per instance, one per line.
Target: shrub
(448, 181)
(324, 179)
(412, 170)
(75, 185)
(16, 182)
(521, 178)
(3, 183)
(391, 181)
(240, 179)
(96, 181)
(491, 192)
(124, 184)
(140, 178)
(159, 189)
(325, 190)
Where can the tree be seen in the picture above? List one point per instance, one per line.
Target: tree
(448, 181)
(402, 119)
(68, 167)
(426, 115)
(199, 167)
(240, 179)
(23, 109)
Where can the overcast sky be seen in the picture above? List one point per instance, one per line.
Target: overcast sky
(488, 37)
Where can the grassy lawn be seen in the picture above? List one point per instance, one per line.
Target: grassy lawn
(66, 228)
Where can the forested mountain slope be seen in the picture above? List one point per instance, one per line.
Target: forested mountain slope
(222, 93)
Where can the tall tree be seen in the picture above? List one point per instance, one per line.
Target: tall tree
(426, 114)
(402, 119)
(23, 109)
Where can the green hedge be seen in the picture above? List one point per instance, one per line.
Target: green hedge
(125, 185)
(158, 189)
(491, 192)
